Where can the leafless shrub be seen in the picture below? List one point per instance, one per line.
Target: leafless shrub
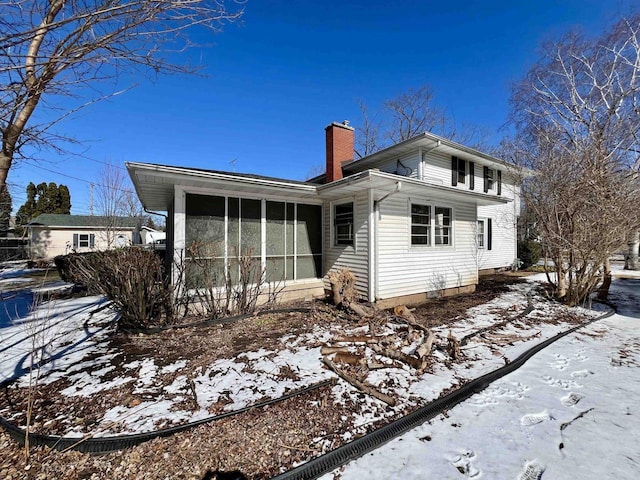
(437, 283)
(132, 278)
(220, 290)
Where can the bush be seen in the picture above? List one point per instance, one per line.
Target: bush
(132, 278)
(529, 253)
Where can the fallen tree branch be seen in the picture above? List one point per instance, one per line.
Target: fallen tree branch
(368, 389)
(397, 355)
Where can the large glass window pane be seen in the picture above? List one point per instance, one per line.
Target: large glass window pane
(275, 269)
(275, 228)
(309, 228)
(204, 272)
(204, 225)
(250, 228)
(289, 229)
(307, 266)
(233, 227)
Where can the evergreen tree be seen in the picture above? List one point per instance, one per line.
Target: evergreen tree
(43, 198)
(5, 212)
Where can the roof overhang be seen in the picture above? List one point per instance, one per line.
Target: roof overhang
(427, 142)
(384, 183)
(155, 184)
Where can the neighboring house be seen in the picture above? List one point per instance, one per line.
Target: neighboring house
(151, 236)
(422, 217)
(57, 234)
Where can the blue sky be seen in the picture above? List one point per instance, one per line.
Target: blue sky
(272, 83)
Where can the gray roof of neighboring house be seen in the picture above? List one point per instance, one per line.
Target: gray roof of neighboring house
(86, 221)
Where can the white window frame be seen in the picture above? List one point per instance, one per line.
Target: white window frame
(493, 176)
(334, 225)
(429, 225)
(465, 168)
(481, 237)
(432, 224)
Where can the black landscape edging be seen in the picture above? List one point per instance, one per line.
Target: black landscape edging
(102, 445)
(373, 440)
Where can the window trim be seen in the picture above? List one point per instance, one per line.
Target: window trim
(482, 246)
(411, 224)
(432, 224)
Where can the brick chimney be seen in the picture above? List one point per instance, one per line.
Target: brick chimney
(339, 148)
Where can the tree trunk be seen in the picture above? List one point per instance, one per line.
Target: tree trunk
(603, 291)
(631, 261)
(5, 165)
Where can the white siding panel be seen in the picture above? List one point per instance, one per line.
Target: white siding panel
(407, 166)
(437, 168)
(404, 269)
(504, 234)
(356, 257)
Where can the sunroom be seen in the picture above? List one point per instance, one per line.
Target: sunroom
(228, 221)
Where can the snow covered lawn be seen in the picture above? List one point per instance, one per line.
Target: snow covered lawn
(103, 383)
(571, 412)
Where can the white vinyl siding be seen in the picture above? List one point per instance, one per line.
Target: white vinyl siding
(503, 229)
(405, 269)
(354, 257)
(405, 166)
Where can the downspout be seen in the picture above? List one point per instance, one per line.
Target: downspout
(423, 153)
(376, 253)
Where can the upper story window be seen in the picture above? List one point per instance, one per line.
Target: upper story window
(343, 223)
(492, 180)
(462, 171)
(420, 224)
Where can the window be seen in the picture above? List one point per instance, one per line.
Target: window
(292, 237)
(420, 224)
(492, 180)
(430, 225)
(480, 234)
(458, 171)
(443, 226)
(84, 240)
(343, 224)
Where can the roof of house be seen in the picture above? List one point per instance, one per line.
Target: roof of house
(154, 183)
(86, 221)
(426, 140)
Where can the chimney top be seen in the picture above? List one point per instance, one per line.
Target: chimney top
(340, 143)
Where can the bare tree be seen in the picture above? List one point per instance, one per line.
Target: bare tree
(66, 48)
(116, 203)
(577, 115)
(409, 114)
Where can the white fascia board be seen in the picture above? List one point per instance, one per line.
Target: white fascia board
(431, 142)
(387, 182)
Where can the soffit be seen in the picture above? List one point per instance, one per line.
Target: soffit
(155, 184)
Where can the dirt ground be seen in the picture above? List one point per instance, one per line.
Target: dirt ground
(257, 444)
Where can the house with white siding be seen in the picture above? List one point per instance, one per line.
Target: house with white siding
(423, 217)
(52, 234)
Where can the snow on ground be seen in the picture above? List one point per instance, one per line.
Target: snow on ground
(572, 411)
(76, 334)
